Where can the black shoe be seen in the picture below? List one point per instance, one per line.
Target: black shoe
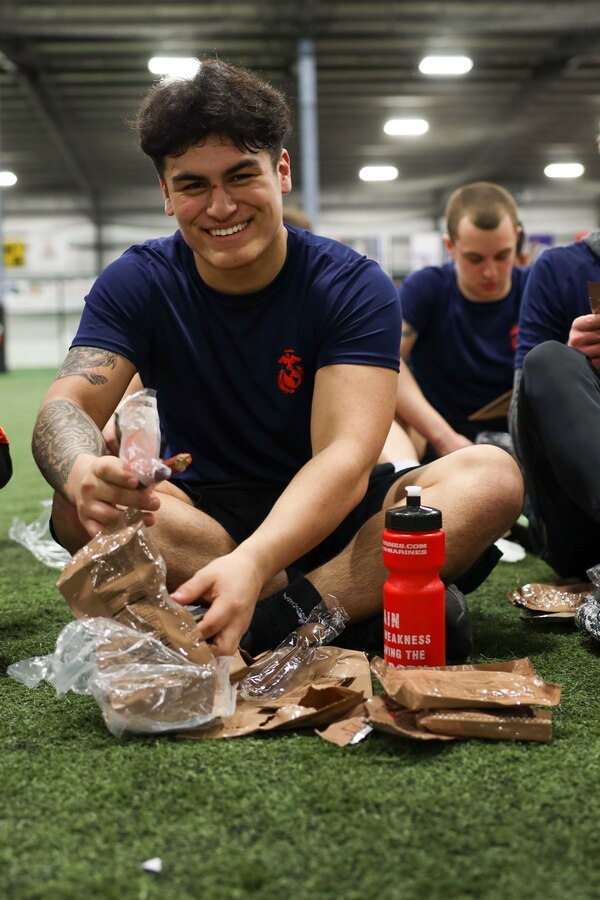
(368, 635)
(459, 629)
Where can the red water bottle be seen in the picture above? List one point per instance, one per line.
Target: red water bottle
(414, 597)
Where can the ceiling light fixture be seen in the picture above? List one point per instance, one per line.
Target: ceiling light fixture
(564, 170)
(7, 179)
(176, 66)
(445, 65)
(406, 127)
(378, 173)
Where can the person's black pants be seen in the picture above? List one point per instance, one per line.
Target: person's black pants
(558, 423)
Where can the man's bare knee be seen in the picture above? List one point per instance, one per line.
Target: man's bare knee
(496, 478)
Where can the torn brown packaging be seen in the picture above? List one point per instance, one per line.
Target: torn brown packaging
(594, 295)
(121, 575)
(463, 687)
(521, 724)
(384, 715)
(334, 687)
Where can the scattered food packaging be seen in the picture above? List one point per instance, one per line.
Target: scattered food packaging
(334, 685)
(459, 687)
(495, 701)
(120, 574)
(140, 685)
(277, 671)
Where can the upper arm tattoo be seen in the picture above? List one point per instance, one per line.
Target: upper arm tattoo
(407, 330)
(81, 359)
(63, 431)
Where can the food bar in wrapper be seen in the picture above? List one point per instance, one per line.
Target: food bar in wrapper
(594, 295)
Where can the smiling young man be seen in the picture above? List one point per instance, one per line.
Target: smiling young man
(460, 322)
(274, 355)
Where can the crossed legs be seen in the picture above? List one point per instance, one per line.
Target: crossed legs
(479, 490)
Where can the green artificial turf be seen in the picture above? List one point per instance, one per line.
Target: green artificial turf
(285, 815)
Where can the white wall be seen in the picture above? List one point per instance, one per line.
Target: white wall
(44, 298)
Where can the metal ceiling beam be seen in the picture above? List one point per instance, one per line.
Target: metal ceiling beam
(40, 100)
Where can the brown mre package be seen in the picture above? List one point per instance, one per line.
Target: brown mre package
(517, 724)
(121, 575)
(463, 687)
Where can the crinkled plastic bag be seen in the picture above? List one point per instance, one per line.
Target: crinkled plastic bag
(587, 617)
(36, 538)
(286, 665)
(138, 427)
(140, 685)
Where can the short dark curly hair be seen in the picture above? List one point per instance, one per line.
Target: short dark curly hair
(220, 99)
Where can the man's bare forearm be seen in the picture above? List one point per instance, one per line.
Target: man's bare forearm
(62, 432)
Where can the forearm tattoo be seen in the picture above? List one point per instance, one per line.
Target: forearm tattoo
(81, 359)
(63, 431)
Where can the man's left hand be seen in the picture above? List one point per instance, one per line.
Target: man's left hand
(231, 584)
(585, 336)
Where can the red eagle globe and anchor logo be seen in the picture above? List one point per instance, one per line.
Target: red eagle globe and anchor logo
(291, 372)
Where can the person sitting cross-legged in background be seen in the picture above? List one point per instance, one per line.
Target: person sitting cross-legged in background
(274, 354)
(555, 414)
(459, 328)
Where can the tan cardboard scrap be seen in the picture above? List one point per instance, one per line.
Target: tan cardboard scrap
(344, 731)
(494, 409)
(121, 575)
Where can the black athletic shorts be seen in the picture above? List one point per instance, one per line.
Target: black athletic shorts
(240, 509)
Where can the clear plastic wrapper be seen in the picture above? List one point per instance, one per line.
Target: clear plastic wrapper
(36, 538)
(286, 665)
(140, 685)
(587, 616)
(138, 429)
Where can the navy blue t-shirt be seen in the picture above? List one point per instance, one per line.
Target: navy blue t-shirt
(234, 374)
(556, 293)
(463, 357)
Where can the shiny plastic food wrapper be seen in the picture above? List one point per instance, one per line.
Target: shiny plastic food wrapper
(36, 538)
(140, 685)
(587, 619)
(463, 687)
(287, 664)
(552, 597)
(121, 575)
